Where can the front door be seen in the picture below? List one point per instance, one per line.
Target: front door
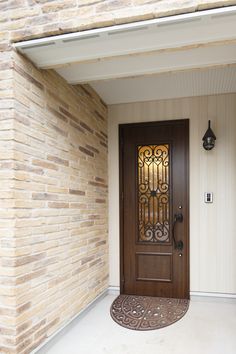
(154, 215)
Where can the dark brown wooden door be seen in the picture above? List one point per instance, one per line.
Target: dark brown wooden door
(154, 216)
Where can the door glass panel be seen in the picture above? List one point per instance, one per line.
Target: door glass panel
(153, 193)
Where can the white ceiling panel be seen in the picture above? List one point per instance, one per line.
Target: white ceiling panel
(168, 85)
(151, 63)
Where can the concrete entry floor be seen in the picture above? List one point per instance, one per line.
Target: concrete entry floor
(207, 328)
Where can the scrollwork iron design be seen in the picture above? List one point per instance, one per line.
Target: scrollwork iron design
(153, 193)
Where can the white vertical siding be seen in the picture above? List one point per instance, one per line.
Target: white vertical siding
(212, 226)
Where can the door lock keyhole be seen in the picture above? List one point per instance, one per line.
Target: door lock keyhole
(178, 217)
(180, 245)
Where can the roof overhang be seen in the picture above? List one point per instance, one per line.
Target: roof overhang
(140, 37)
(189, 41)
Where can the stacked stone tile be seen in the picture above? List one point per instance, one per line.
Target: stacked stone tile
(53, 170)
(24, 19)
(53, 203)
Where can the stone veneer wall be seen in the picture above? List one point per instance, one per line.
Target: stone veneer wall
(53, 171)
(24, 19)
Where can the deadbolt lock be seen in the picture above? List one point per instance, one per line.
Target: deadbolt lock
(179, 245)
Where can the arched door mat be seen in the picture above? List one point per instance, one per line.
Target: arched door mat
(145, 313)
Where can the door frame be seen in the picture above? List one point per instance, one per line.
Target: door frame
(121, 192)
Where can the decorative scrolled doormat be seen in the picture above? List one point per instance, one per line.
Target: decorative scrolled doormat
(145, 313)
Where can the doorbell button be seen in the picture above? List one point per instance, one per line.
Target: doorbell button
(208, 197)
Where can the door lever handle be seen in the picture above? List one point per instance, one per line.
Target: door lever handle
(178, 217)
(179, 245)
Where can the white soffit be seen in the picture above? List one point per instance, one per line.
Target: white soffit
(145, 36)
(186, 83)
(149, 63)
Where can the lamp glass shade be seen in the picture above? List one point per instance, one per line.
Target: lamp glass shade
(209, 138)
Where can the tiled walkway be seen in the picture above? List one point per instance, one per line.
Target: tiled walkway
(207, 328)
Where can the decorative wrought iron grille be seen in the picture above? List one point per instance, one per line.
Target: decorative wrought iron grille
(153, 193)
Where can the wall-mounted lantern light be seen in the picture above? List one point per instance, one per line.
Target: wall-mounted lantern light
(209, 138)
